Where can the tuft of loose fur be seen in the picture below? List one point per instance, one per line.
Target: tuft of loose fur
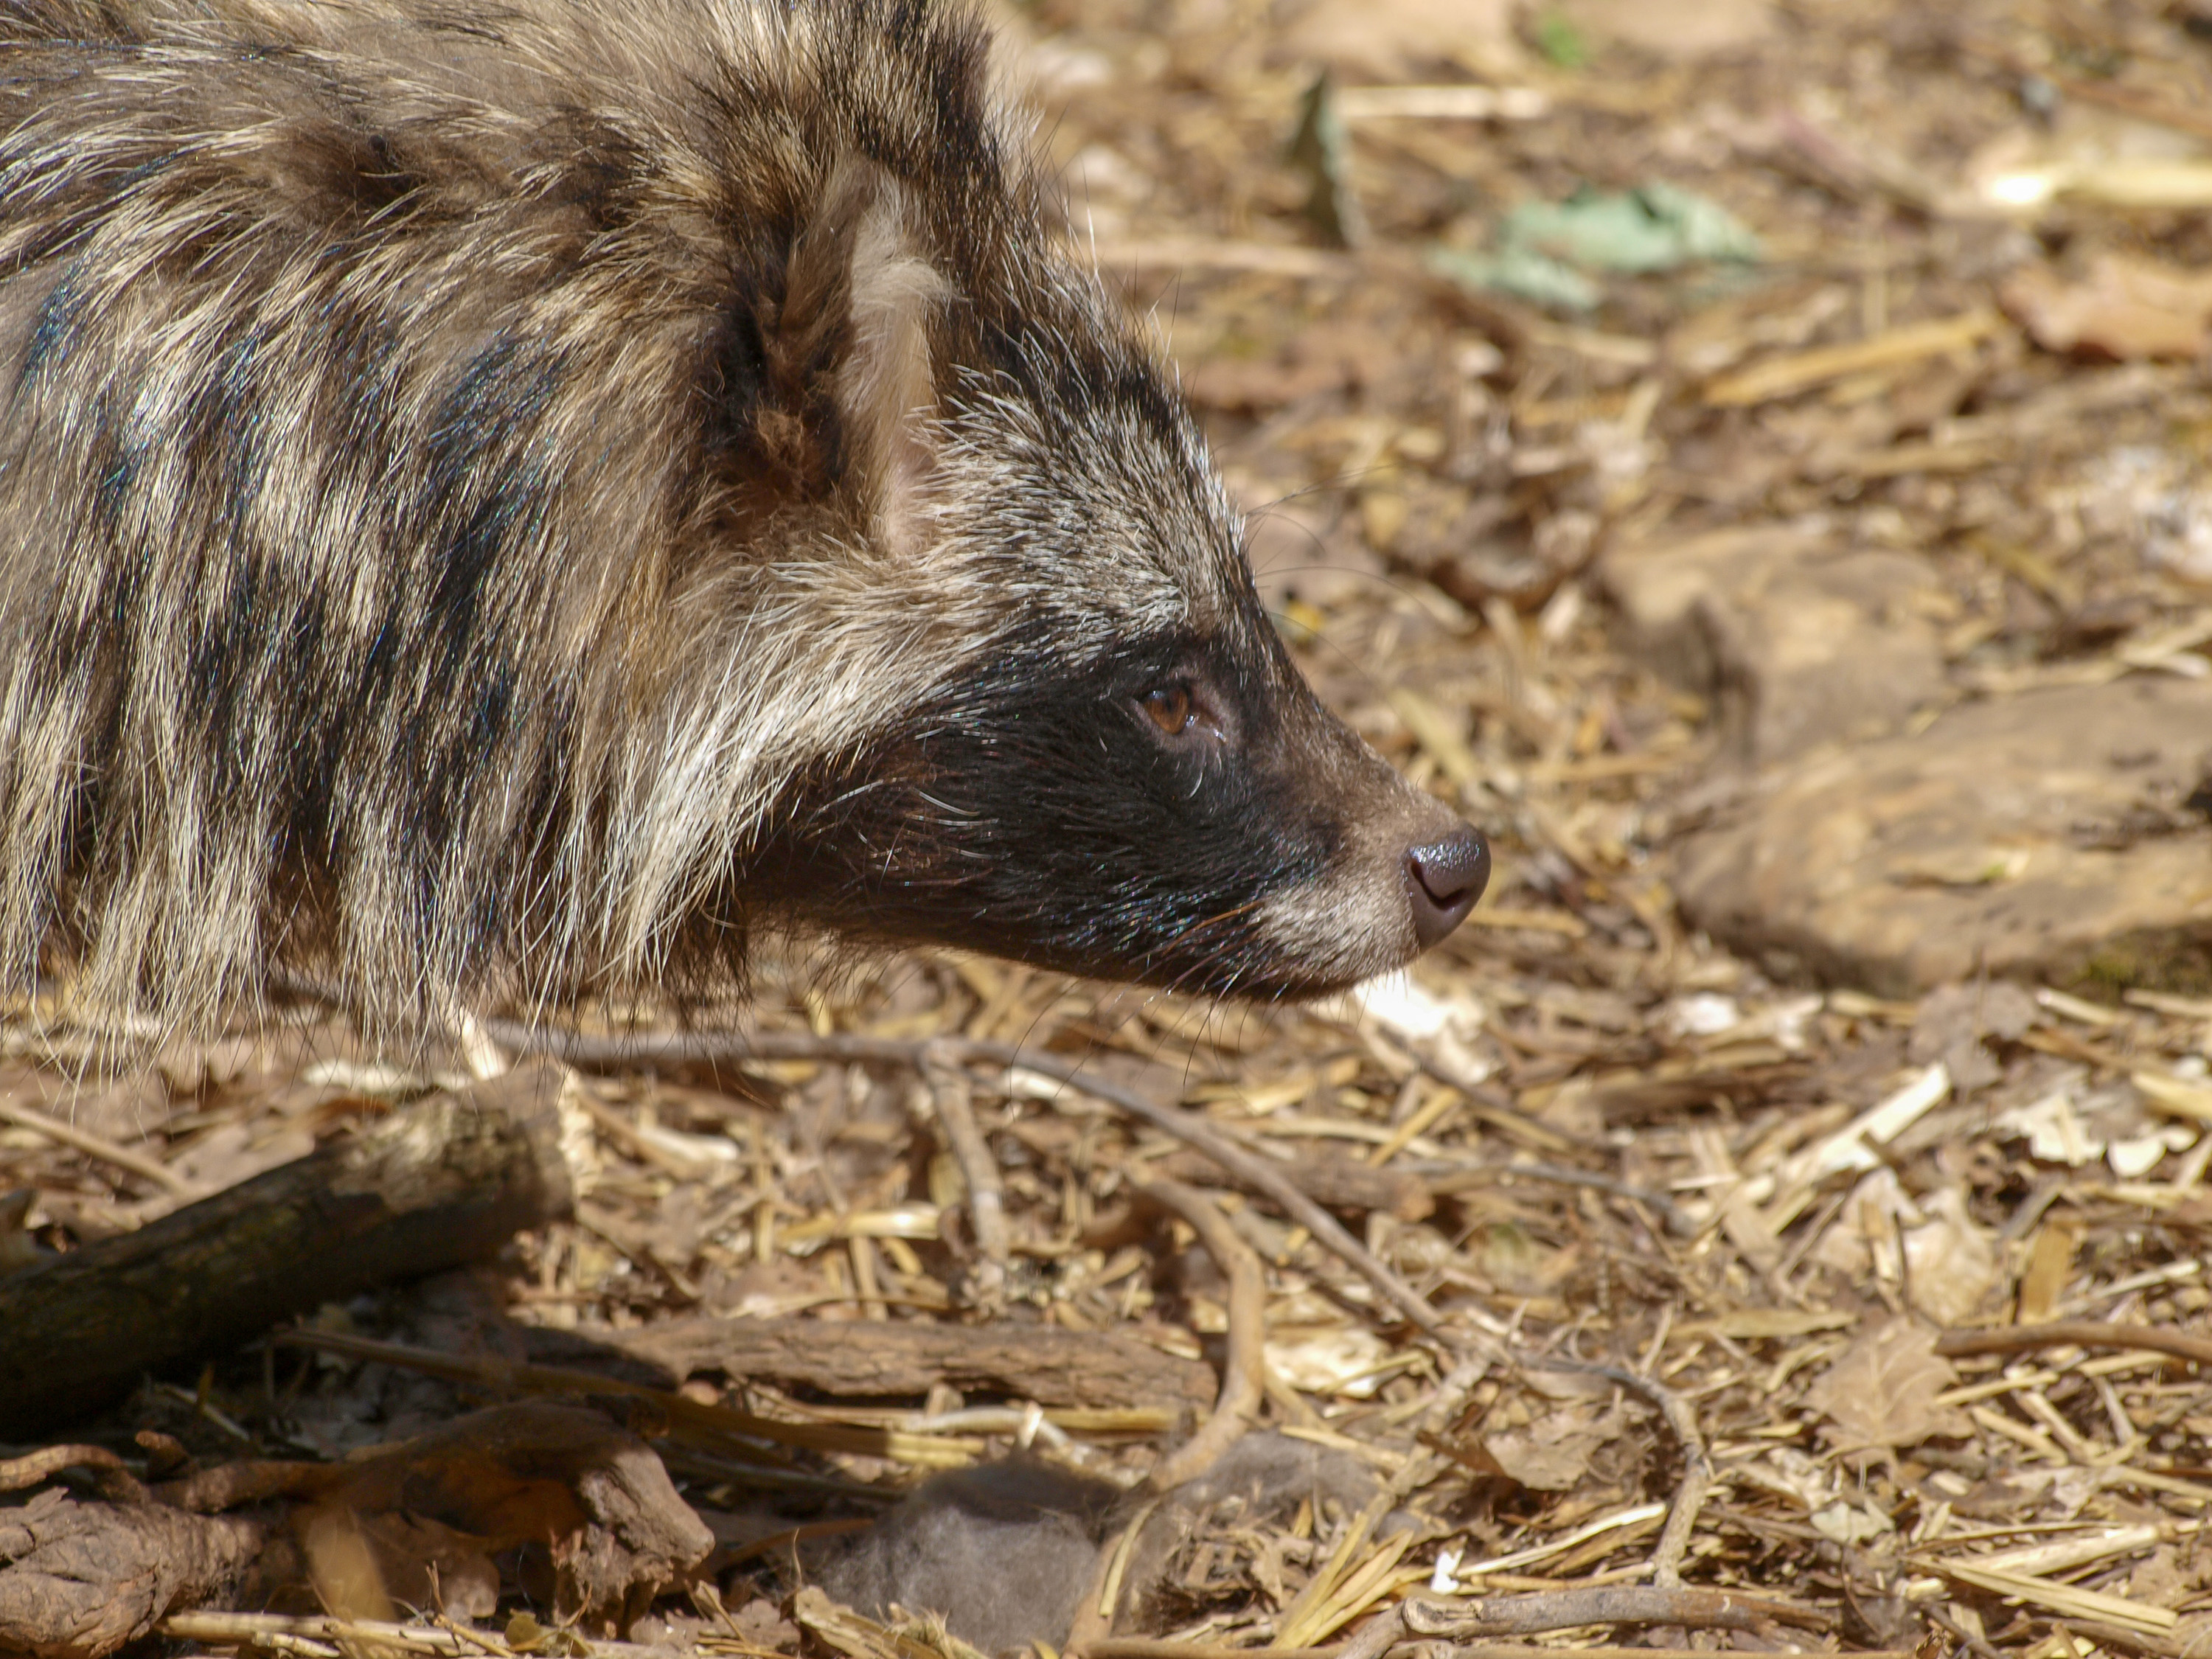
(500, 502)
(1004, 1552)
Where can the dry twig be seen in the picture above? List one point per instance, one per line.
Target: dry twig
(1424, 1618)
(98, 1146)
(1243, 1372)
(986, 1201)
(2075, 1333)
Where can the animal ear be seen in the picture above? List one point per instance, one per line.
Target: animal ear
(862, 294)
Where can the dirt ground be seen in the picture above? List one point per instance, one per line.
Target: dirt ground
(1748, 456)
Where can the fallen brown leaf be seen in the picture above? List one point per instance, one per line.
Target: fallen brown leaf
(1881, 1391)
(2126, 308)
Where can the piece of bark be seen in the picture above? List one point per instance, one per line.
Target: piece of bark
(1043, 1363)
(441, 1184)
(1340, 1183)
(535, 1473)
(580, 1509)
(81, 1579)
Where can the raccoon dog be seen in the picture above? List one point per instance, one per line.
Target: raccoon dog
(504, 502)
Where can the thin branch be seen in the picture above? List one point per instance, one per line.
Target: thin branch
(2075, 1333)
(1697, 1464)
(98, 1147)
(1606, 1604)
(1418, 1618)
(956, 1110)
(1243, 1372)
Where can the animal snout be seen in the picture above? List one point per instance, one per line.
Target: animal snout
(1443, 878)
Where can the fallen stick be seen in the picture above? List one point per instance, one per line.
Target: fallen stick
(1244, 1371)
(695, 1423)
(1043, 1363)
(2075, 1333)
(99, 1148)
(445, 1183)
(982, 1285)
(1697, 1472)
(80, 1579)
(1419, 1618)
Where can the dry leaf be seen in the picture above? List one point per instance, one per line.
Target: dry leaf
(1553, 1452)
(2125, 308)
(2160, 1579)
(838, 1627)
(1952, 1263)
(2133, 1157)
(1880, 1392)
(1846, 1522)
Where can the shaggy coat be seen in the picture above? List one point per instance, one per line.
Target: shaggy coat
(502, 502)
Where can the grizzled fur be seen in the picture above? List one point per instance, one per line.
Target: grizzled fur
(502, 501)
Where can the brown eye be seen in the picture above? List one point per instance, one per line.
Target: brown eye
(1170, 708)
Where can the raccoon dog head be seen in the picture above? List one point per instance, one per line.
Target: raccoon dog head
(1119, 772)
(502, 501)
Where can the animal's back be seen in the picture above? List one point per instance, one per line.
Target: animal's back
(340, 345)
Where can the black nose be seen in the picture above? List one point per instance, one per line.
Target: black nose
(1443, 880)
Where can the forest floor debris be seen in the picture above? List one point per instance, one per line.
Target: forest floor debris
(1756, 1230)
